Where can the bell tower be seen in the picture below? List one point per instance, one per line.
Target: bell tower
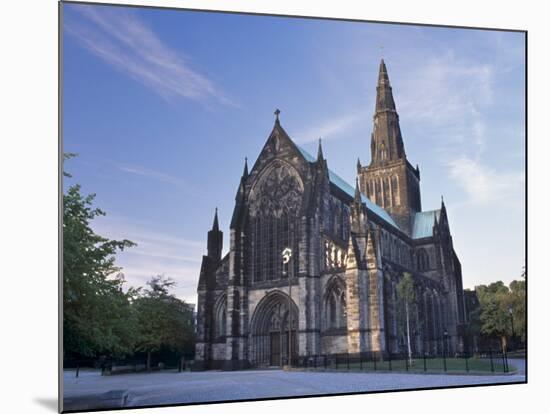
(390, 180)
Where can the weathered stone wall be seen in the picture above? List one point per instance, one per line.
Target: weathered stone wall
(219, 351)
(395, 187)
(334, 344)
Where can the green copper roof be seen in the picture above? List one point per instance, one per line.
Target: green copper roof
(348, 189)
(423, 224)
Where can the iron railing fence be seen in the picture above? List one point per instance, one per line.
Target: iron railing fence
(488, 361)
(136, 363)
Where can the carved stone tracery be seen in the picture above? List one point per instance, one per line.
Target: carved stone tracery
(277, 193)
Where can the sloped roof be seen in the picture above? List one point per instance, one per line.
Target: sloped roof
(348, 189)
(423, 223)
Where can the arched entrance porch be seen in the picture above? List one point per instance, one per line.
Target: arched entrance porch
(269, 330)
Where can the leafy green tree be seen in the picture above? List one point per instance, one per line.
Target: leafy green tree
(97, 318)
(516, 306)
(407, 299)
(494, 301)
(473, 327)
(163, 322)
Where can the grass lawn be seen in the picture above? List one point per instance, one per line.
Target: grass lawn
(433, 365)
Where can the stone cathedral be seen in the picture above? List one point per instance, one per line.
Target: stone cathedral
(351, 246)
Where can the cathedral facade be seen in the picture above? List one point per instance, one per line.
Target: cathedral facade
(350, 248)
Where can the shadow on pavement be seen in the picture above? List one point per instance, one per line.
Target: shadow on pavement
(110, 399)
(49, 403)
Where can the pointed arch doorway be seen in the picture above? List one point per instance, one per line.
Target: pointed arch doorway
(270, 333)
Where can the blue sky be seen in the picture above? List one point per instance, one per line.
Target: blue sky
(162, 106)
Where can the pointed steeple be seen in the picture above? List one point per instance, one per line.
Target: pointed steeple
(216, 226)
(320, 151)
(390, 180)
(383, 73)
(384, 96)
(358, 164)
(386, 143)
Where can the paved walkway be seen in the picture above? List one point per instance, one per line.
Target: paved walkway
(91, 390)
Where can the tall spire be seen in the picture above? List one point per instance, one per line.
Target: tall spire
(384, 96)
(387, 143)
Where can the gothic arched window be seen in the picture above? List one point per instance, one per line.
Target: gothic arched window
(333, 310)
(394, 192)
(220, 317)
(335, 305)
(342, 311)
(275, 202)
(386, 184)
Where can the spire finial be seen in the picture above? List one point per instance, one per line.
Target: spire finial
(277, 112)
(319, 151)
(245, 172)
(216, 226)
(358, 164)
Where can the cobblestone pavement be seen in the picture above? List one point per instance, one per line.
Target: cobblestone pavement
(91, 390)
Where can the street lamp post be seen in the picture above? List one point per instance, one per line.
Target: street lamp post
(286, 255)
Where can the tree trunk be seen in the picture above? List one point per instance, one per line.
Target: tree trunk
(408, 333)
(503, 343)
(148, 360)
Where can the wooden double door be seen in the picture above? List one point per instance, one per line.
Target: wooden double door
(278, 342)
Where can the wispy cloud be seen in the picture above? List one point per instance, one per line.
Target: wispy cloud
(449, 94)
(484, 185)
(144, 172)
(156, 253)
(121, 39)
(447, 100)
(443, 86)
(331, 129)
(159, 176)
